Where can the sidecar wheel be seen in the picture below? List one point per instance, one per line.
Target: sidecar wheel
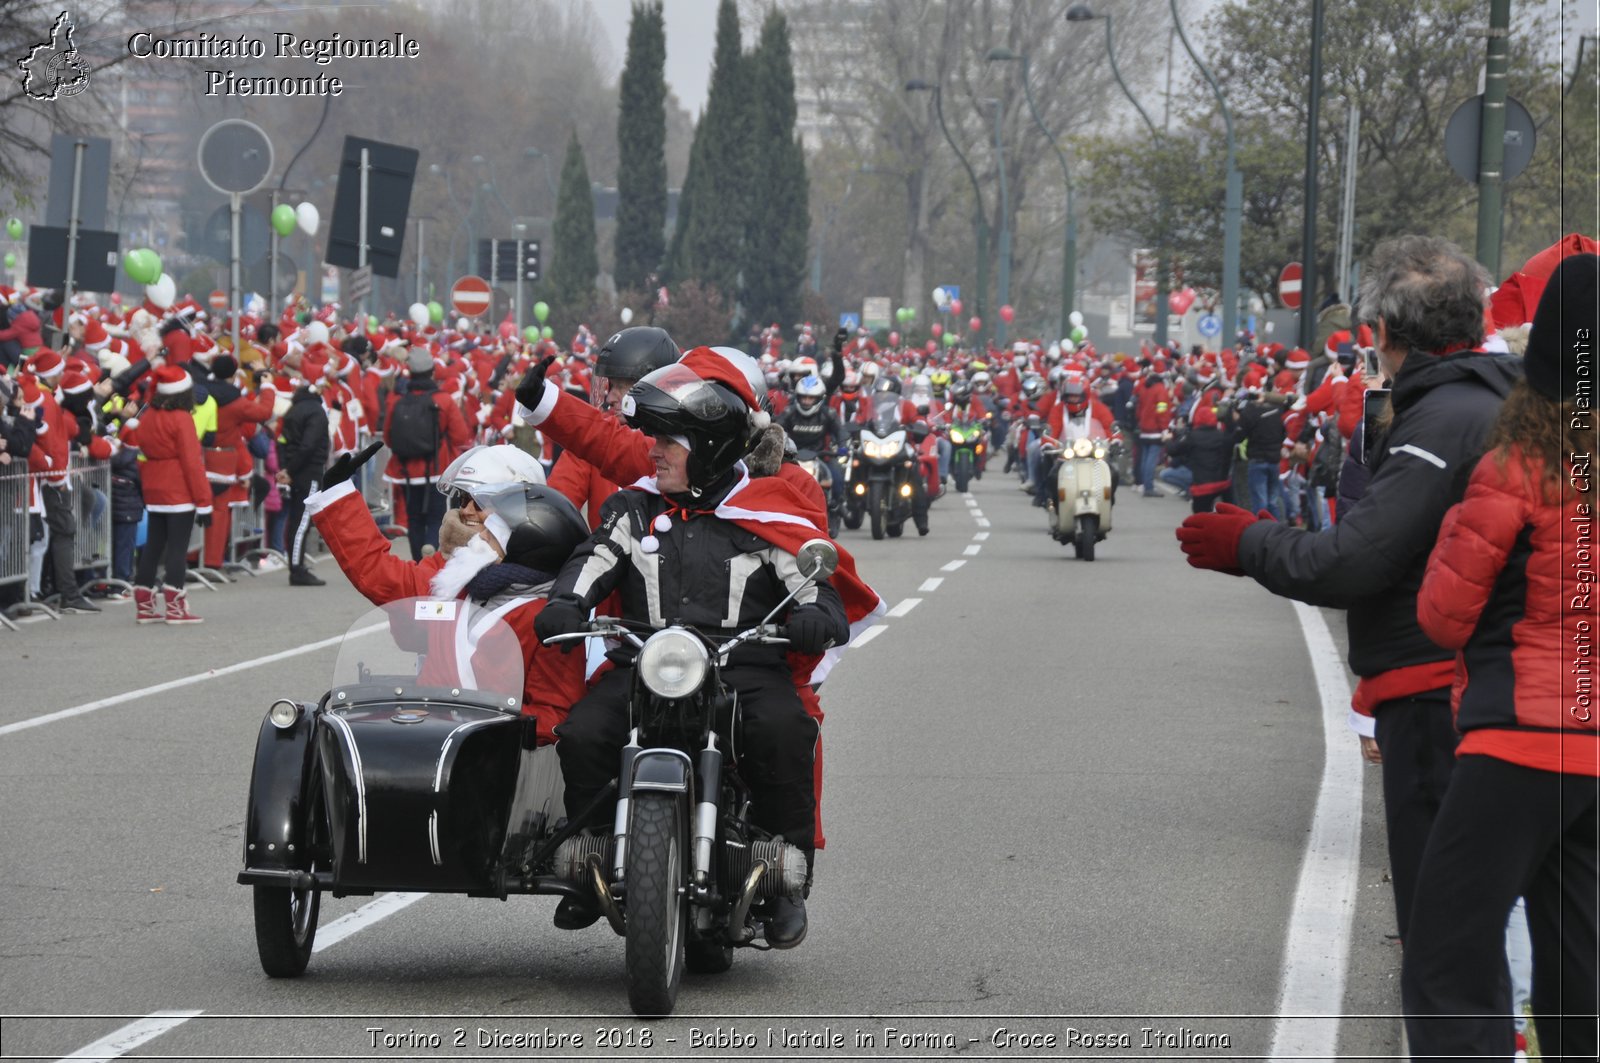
(286, 928)
(657, 914)
(705, 956)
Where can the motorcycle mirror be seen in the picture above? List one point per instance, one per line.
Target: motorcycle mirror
(818, 558)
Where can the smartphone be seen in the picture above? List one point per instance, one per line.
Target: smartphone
(1373, 405)
(1370, 366)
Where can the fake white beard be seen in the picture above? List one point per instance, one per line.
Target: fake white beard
(466, 562)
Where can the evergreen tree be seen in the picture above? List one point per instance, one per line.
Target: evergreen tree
(775, 237)
(641, 149)
(714, 236)
(677, 267)
(574, 261)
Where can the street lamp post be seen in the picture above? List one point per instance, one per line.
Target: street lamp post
(535, 153)
(1003, 285)
(1232, 202)
(979, 222)
(1083, 13)
(1069, 258)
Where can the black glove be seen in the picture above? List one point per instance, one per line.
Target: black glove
(345, 465)
(809, 630)
(202, 520)
(531, 388)
(560, 616)
(839, 339)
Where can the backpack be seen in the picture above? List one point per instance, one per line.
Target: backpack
(414, 427)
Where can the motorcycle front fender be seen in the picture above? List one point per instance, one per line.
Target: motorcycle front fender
(275, 814)
(663, 770)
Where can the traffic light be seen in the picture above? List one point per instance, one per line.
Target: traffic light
(497, 260)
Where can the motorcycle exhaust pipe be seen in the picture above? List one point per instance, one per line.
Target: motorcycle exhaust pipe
(602, 893)
(741, 909)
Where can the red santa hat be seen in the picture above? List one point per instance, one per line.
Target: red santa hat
(46, 363)
(1298, 359)
(172, 380)
(94, 334)
(32, 393)
(75, 382)
(1514, 302)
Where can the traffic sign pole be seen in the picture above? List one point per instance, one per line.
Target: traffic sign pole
(361, 244)
(1492, 139)
(233, 271)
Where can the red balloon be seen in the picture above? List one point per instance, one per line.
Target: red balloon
(894, 339)
(937, 330)
(1180, 302)
(507, 330)
(955, 307)
(930, 347)
(976, 324)
(1006, 313)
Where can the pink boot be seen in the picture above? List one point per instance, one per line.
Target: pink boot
(178, 607)
(144, 603)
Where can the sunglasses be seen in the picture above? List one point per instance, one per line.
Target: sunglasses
(458, 499)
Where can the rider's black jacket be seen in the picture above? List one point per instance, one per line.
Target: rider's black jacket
(704, 571)
(818, 431)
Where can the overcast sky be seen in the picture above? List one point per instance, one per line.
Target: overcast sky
(692, 28)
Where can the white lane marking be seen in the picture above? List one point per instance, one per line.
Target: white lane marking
(982, 523)
(973, 551)
(188, 680)
(905, 607)
(980, 537)
(952, 566)
(868, 635)
(931, 584)
(132, 1036)
(969, 500)
(1316, 951)
(363, 917)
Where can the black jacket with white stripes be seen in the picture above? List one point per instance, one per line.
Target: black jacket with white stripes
(704, 572)
(1372, 561)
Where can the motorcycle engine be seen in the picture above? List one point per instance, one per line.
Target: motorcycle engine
(786, 868)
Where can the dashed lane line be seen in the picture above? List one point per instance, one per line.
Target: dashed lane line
(982, 523)
(868, 635)
(905, 607)
(980, 537)
(973, 551)
(930, 584)
(952, 566)
(188, 680)
(131, 1036)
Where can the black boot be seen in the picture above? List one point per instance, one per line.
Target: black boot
(575, 913)
(304, 577)
(786, 926)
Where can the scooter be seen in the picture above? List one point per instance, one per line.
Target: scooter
(1080, 509)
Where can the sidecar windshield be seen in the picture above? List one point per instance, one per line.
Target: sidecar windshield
(431, 648)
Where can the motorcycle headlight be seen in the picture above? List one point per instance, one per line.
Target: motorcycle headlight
(810, 467)
(957, 436)
(1082, 447)
(673, 663)
(283, 713)
(1100, 452)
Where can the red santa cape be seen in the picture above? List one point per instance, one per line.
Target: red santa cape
(767, 507)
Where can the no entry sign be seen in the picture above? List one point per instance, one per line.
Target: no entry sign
(470, 296)
(1289, 286)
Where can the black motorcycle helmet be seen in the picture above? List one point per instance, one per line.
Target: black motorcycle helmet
(545, 527)
(674, 401)
(634, 353)
(888, 382)
(960, 393)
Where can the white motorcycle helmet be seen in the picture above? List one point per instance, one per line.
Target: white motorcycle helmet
(486, 468)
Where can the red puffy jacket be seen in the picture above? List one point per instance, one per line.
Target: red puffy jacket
(1506, 588)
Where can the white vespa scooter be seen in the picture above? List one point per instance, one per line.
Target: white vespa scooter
(1080, 510)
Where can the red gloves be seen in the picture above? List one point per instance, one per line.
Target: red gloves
(1211, 540)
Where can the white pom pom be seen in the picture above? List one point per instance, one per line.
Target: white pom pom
(649, 544)
(759, 420)
(663, 523)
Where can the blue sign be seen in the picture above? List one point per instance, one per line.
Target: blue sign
(1209, 325)
(952, 291)
(850, 321)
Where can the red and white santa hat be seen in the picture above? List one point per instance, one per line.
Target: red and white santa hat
(46, 363)
(172, 380)
(75, 382)
(1297, 359)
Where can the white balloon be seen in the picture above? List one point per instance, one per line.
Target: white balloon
(418, 314)
(1067, 346)
(461, 324)
(1076, 317)
(941, 298)
(316, 332)
(627, 314)
(308, 218)
(162, 292)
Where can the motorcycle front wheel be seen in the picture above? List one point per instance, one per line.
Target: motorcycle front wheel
(876, 504)
(962, 473)
(1088, 530)
(657, 914)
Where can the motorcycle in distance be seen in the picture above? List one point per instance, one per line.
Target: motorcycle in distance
(417, 772)
(1080, 509)
(969, 448)
(882, 472)
(822, 472)
(683, 867)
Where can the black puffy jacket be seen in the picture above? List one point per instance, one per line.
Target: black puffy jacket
(1372, 561)
(303, 436)
(127, 494)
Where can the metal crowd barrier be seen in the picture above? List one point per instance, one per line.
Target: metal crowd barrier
(91, 497)
(14, 530)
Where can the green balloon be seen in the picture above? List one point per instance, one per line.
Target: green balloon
(283, 219)
(1078, 334)
(11, 260)
(547, 332)
(949, 339)
(541, 310)
(14, 228)
(531, 333)
(911, 313)
(435, 312)
(143, 265)
(372, 322)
